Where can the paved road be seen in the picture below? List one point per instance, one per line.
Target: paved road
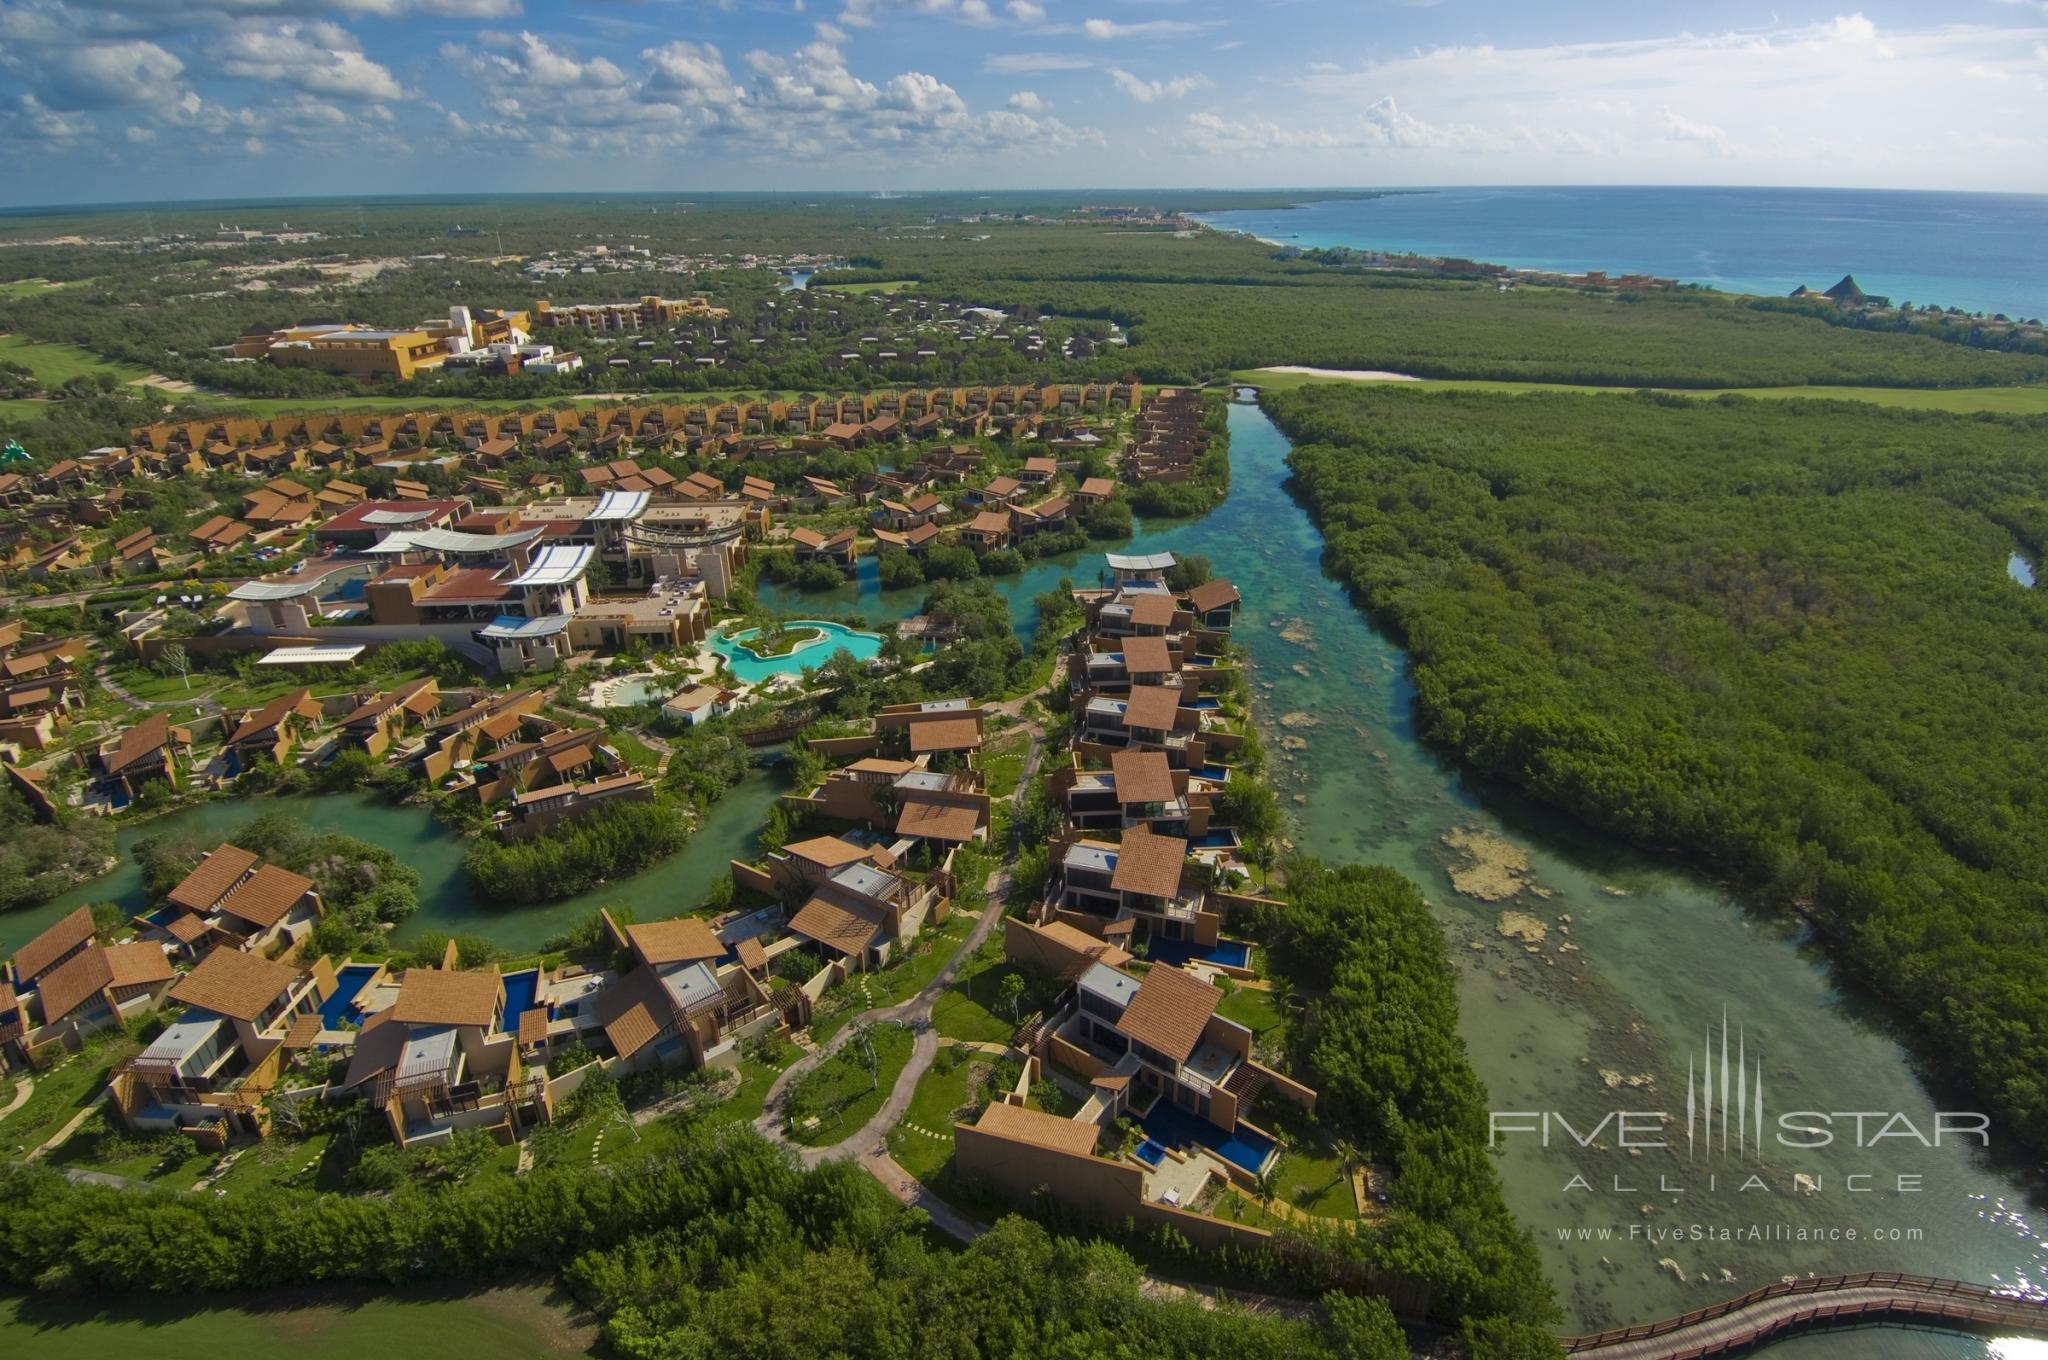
(1934, 1303)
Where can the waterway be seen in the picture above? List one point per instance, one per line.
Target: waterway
(447, 901)
(1657, 956)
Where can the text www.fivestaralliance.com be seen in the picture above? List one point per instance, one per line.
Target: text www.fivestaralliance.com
(1759, 1233)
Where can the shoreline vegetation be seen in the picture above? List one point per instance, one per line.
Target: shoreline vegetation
(1755, 665)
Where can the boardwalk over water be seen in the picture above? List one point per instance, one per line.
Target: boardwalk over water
(1779, 1310)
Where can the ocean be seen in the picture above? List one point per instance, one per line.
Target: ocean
(1979, 252)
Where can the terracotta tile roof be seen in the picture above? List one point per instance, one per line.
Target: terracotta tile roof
(684, 940)
(231, 983)
(1081, 942)
(1038, 1128)
(836, 925)
(1169, 1012)
(1142, 777)
(1098, 486)
(1212, 595)
(1002, 486)
(633, 1011)
(70, 931)
(752, 955)
(1153, 707)
(266, 895)
(74, 982)
(990, 522)
(1147, 655)
(936, 820)
(830, 851)
(428, 996)
(1149, 865)
(533, 1026)
(945, 734)
(186, 928)
(144, 739)
(268, 717)
(1150, 609)
(138, 964)
(304, 1032)
(221, 870)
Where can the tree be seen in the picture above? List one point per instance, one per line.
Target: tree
(173, 660)
(1362, 1327)
(1011, 992)
(1188, 572)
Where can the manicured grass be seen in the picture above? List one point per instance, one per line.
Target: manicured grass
(842, 1093)
(55, 365)
(755, 1078)
(941, 1097)
(1314, 1185)
(21, 288)
(1255, 1010)
(163, 1159)
(276, 406)
(635, 752)
(972, 1008)
(513, 1323)
(1003, 765)
(277, 1160)
(60, 1094)
(1999, 400)
(901, 980)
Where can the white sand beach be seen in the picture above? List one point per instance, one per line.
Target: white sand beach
(1353, 374)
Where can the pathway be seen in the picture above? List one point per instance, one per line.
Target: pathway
(1751, 1319)
(56, 1140)
(915, 1014)
(24, 1087)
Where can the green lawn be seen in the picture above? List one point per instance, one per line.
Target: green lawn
(842, 1093)
(55, 365)
(745, 1105)
(21, 288)
(60, 1094)
(521, 1322)
(1003, 765)
(1999, 400)
(941, 1097)
(902, 979)
(279, 1159)
(167, 1159)
(972, 1008)
(634, 751)
(1315, 1185)
(1255, 1010)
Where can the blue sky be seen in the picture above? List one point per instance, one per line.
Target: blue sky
(129, 99)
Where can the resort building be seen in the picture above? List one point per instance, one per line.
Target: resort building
(648, 313)
(444, 1056)
(62, 986)
(690, 997)
(234, 900)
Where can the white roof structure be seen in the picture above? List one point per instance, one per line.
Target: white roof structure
(620, 505)
(556, 565)
(510, 627)
(397, 516)
(1140, 561)
(314, 654)
(452, 541)
(274, 590)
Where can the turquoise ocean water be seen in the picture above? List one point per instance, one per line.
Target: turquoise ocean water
(1979, 252)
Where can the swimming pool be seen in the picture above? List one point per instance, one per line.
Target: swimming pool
(520, 990)
(1150, 1153)
(352, 978)
(1172, 1126)
(1213, 840)
(1224, 953)
(837, 637)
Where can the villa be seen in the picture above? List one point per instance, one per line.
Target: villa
(445, 1056)
(386, 718)
(690, 997)
(235, 901)
(62, 986)
(146, 753)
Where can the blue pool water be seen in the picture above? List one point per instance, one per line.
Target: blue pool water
(1210, 840)
(352, 978)
(1174, 1127)
(1214, 772)
(1150, 1153)
(1225, 953)
(1204, 705)
(520, 989)
(837, 637)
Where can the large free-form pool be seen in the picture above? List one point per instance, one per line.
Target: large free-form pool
(752, 669)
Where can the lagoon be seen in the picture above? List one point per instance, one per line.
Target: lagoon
(448, 903)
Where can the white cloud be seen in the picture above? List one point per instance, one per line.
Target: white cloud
(1026, 11)
(695, 71)
(321, 57)
(103, 75)
(533, 60)
(1679, 128)
(1150, 91)
(1034, 63)
(1105, 29)
(977, 13)
(1028, 101)
(139, 136)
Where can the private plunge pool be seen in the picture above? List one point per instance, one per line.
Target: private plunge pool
(832, 637)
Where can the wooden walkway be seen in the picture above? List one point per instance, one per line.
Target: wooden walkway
(1778, 1310)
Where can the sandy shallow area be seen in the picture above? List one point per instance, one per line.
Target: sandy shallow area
(1353, 374)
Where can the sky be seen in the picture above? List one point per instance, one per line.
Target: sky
(119, 100)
